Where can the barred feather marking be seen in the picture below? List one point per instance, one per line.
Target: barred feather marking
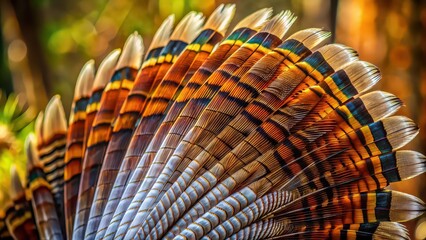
(249, 216)
(255, 136)
(43, 203)
(243, 150)
(176, 78)
(225, 49)
(100, 132)
(173, 49)
(74, 147)
(161, 37)
(104, 74)
(20, 222)
(260, 230)
(124, 124)
(381, 230)
(51, 150)
(252, 45)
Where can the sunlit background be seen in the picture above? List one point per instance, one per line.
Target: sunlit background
(44, 44)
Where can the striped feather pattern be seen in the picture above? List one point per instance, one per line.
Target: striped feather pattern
(112, 98)
(250, 135)
(237, 128)
(74, 148)
(188, 63)
(228, 160)
(48, 223)
(19, 222)
(254, 50)
(121, 160)
(19, 218)
(124, 124)
(52, 132)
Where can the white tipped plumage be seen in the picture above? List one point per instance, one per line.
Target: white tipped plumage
(133, 51)
(106, 69)
(254, 135)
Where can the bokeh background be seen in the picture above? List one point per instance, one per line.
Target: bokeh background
(44, 44)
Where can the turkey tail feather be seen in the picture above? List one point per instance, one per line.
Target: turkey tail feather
(74, 147)
(249, 134)
(100, 132)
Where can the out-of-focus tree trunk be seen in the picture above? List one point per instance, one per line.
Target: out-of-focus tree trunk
(333, 17)
(5, 78)
(30, 74)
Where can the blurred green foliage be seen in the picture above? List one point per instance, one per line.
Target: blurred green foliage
(16, 122)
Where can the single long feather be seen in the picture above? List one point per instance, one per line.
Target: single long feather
(74, 147)
(48, 223)
(51, 151)
(20, 222)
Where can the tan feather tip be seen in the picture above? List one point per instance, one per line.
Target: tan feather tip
(54, 122)
(106, 69)
(163, 33)
(16, 189)
(280, 24)
(408, 157)
(311, 37)
(220, 18)
(31, 150)
(391, 230)
(363, 75)
(132, 52)
(255, 20)
(410, 163)
(338, 56)
(380, 104)
(188, 28)
(400, 130)
(405, 207)
(85, 79)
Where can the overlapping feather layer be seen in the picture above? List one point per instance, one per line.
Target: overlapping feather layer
(249, 135)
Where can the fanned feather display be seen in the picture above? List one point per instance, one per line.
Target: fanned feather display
(250, 135)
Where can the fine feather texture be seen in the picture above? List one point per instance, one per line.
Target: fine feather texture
(75, 142)
(244, 149)
(51, 150)
(251, 135)
(100, 132)
(43, 203)
(168, 88)
(20, 222)
(124, 124)
(256, 51)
